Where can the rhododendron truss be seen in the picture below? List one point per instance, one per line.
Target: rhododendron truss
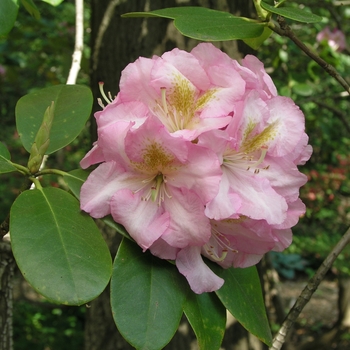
(198, 157)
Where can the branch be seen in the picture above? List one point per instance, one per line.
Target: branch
(306, 294)
(79, 42)
(285, 30)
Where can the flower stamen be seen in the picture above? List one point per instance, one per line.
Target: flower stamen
(107, 99)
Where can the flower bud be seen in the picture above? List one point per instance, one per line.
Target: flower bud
(41, 141)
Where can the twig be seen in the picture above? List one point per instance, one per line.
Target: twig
(285, 30)
(306, 294)
(79, 42)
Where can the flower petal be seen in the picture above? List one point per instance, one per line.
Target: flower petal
(94, 156)
(259, 200)
(200, 278)
(163, 250)
(99, 187)
(188, 224)
(144, 220)
(225, 204)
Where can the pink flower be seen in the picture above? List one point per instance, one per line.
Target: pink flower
(155, 185)
(335, 38)
(182, 91)
(199, 157)
(257, 155)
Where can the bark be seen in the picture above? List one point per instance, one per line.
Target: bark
(116, 42)
(7, 266)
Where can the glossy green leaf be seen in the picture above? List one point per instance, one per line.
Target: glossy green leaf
(53, 2)
(5, 163)
(241, 294)
(205, 24)
(73, 105)
(293, 13)
(147, 297)
(207, 316)
(59, 249)
(75, 179)
(31, 8)
(8, 15)
(255, 43)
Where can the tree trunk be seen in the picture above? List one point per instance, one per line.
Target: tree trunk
(116, 42)
(7, 266)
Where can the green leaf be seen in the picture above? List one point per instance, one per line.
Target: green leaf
(75, 179)
(108, 220)
(255, 43)
(205, 24)
(207, 316)
(53, 2)
(147, 297)
(72, 109)
(293, 13)
(31, 8)
(303, 89)
(58, 249)
(8, 15)
(241, 294)
(5, 160)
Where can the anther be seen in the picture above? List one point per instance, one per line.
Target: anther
(100, 85)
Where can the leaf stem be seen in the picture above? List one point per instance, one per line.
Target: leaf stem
(51, 171)
(284, 30)
(22, 169)
(36, 182)
(306, 294)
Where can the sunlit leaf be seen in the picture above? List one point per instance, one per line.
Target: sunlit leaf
(255, 43)
(8, 15)
(31, 8)
(205, 24)
(5, 157)
(73, 105)
(147, 297)
(207, 316)
(58, 249)
(53, 2)
(294, 13)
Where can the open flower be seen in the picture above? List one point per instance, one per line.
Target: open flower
(155, 185)
(198, 158)
(187, 95)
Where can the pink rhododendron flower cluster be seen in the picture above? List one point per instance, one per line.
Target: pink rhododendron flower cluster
(198, 157)
(335, 38)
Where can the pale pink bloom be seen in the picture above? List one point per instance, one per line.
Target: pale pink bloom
(199, 157)
(235, 243)
(335, 38)
(155, 185)
(257, 155)
(183, 92)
